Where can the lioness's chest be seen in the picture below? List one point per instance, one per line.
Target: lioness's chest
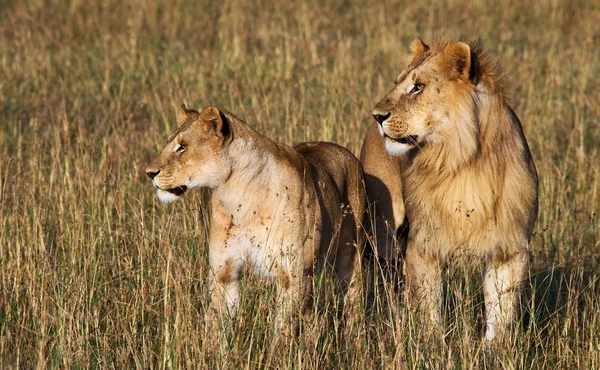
(270, 241)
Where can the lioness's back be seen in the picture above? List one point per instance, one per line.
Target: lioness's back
(346, 173)
(343, 167)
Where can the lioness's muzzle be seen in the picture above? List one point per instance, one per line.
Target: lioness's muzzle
(178, 190)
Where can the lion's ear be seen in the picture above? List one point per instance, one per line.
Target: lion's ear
(220, 122)
(418, 46)
(475, 70)
(458, 56)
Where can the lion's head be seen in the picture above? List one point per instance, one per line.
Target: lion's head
(193, 156)
(433, 100)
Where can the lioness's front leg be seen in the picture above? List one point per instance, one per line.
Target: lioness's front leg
(294, 288)
(424, 284)
(224, 286)
(501, 288)
(225, 265)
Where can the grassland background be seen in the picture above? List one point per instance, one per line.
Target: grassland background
(96, 273)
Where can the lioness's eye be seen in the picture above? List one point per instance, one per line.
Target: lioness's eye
(417, 89)
(180, 148)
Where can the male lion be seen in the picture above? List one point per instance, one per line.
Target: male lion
(469, 183)
(283, 211)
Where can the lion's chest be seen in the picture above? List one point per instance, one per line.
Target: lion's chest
(458, 213)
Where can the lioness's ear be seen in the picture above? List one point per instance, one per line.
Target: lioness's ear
(209, 114)
(184, 113)
(418, 46)
(225, 129)
(220, 122)
(458, 56)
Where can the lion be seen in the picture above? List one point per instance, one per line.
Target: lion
(469, 183)
(284, 212)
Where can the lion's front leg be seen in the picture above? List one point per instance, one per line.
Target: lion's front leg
(424, 284)
(502, 287)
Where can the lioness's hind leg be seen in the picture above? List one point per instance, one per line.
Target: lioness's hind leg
(354, 237)
(354, 293)
(502, 287)
(347, 265)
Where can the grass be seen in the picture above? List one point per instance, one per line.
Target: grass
(96, 273)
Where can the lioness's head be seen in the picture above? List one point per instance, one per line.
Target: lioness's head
(193, 154)
(432, 101)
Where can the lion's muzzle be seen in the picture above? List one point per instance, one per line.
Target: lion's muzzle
(409, 139)
(152, 174)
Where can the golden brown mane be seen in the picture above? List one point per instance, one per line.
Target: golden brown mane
(491, 73)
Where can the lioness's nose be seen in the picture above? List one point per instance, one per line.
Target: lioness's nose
(381, 117)
(152, 174)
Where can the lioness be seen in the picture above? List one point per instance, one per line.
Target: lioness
(286, 212)
(468, 179)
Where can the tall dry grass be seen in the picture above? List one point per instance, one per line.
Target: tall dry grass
(96, 273)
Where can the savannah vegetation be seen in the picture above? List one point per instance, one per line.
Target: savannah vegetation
(95, 272)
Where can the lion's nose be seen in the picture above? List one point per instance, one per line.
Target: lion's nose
(381, 117)
(152, 174)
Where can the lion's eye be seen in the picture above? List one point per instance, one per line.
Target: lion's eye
(417, 89)
(180, 148)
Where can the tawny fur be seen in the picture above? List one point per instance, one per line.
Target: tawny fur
(469, 183)
(285, 212)
(385, 197)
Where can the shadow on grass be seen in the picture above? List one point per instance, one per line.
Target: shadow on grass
(560, 296)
